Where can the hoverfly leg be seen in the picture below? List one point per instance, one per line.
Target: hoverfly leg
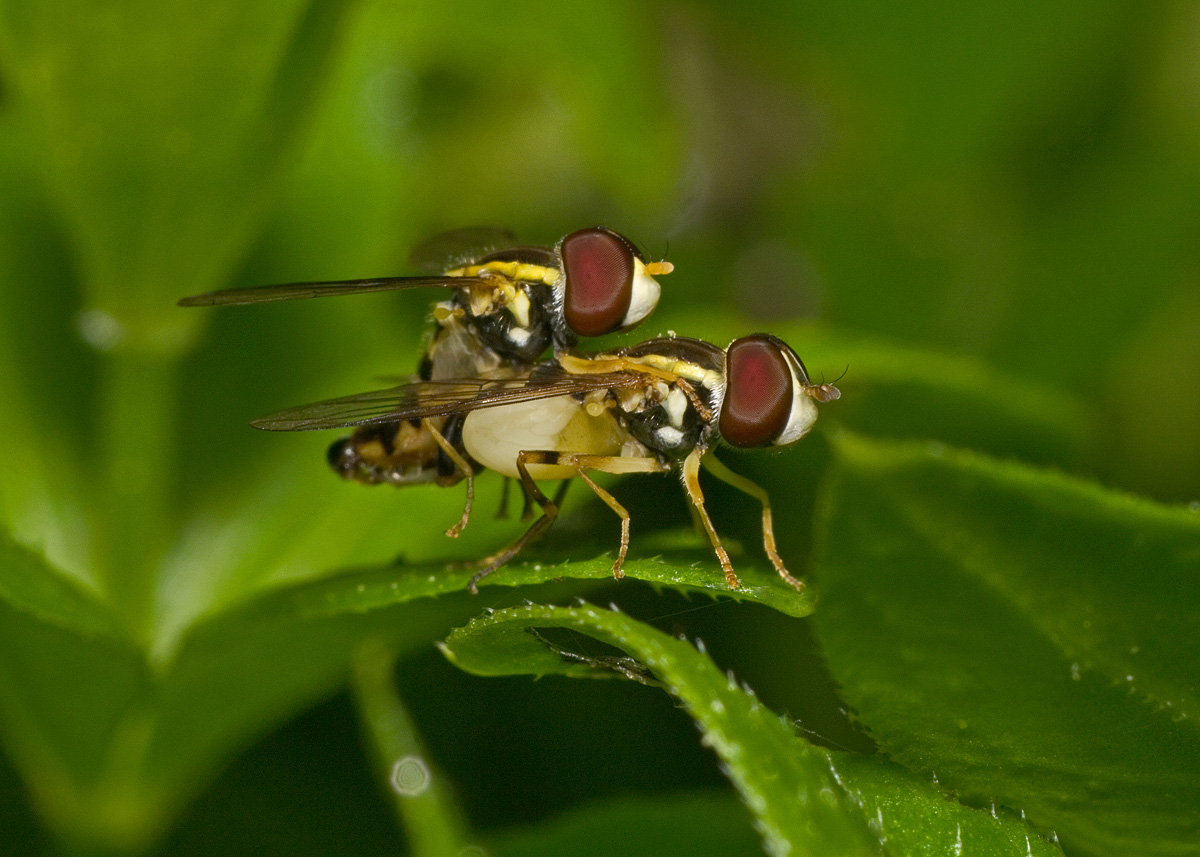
(613, 464)
(463, 465)
(622, 513)
(691, 484)
(502, 512)
(702, 410)
(718, 469)
(549, 513)
(697, 521)
(527, 505)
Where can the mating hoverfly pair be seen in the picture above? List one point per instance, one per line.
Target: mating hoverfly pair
(484, 396)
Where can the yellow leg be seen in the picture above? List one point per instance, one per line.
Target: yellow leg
(718, 469)
(691, 484)
(606, 463)
(463, 465)
(595, 462)
(526, 504)
(549, 513)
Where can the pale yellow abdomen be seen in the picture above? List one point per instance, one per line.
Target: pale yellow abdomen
(494, 436)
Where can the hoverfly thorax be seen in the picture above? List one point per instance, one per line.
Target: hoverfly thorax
(768, 399)
(606, 285)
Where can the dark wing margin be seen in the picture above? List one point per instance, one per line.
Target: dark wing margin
(302, 291)
(419, 399)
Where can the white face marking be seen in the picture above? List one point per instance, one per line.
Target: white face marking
(804, 409)
(644, 297)
(676, 405)
(518, 335)
(668, 436)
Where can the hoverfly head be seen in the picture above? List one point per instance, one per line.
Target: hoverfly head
(769, 399)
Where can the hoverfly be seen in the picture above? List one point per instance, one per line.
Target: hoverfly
(655, 407)
(508, 306)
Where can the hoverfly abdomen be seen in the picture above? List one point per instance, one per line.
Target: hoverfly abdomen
(343, 458)
(403, 453)
(448, 471)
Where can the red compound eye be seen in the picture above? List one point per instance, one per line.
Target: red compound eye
(598, 269)
(758, 392)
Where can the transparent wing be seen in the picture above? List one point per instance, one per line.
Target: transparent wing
(418, 399)
(302, 291)
(457, 247)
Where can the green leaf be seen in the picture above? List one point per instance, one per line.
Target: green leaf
(372, 588)
(238, 675)
(1027, 637)
(111, 750)
(673, 826)
(162, 141)
(29, 584)
(161, 145)
(234, 676)
(70, 694)
(211, 698)
(421, 795)
(40, 499)
(297, 522)
(807, 800)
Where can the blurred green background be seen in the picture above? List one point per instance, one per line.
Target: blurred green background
(1014, 182)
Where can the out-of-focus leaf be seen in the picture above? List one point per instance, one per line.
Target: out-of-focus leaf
(110, 749)
(232, 677)
(421, 795)
(29, 584)
(23, 835)
(211, 697)
(806, 800)
(1027, 638)
(71, 697)
(666, 827)
(161, 145)
(161, 140)
(41, 502)
(904, 392)
(239, 675)
(582, 129)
